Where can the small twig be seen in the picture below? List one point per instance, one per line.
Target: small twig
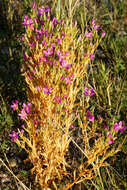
(25, 188)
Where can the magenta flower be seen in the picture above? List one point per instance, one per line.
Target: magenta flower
(47, 90)
(123, 129)
(58, 100)
(106, 127)
(22, 114)
(28, 22)
(91, 56)
(14, 106)
(31, 44)
(25, 20)
(14, 136)
(21, 131)
(48, 52)
(27, 107)
(119, 127)
(63, 64)
(110, 137)
(88, 35)
(69, 79)
(110, 141)
(41, 10)
(22, 38)
(63, 35)
(89, 92)
(93, 22)
(95, 26)
(23, 126)
(103, 34)
(59, 41)
(54, 21)
(90, 116)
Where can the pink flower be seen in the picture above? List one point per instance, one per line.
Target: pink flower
(59, 41)
(48, 52)
(110, 137)
(95, 26)
(22, 114)
(25, 20)
(22, 38)
(119, 127)
(89, 92)
(93, 22)
(91, 56)
(88, 35)
(31, 44)
(63, 35)
(90, 116)
(103, 34)
(23, 126)
(28, 22)
(110, 141)
(69, 79)
(106, 127)
(47, 90)
(14, 136)
(41, 10)
(21, 131)
(14, 106)
(58, 100)
(27, 107)
(54, 21)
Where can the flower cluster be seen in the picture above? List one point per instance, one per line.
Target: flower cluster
(28, 22)
(89, 92)
(119, 127)
(47, 90)
(116, 128)
(25, 110)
